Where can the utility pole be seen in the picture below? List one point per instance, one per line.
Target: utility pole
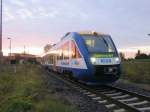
(24, 49)
(1, 54)
(9, 46)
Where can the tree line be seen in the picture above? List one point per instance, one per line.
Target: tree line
(138, 55)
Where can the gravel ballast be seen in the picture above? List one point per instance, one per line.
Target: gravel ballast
(133, 87)
(71, 96)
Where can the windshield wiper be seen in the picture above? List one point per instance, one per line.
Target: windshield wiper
(105, 42)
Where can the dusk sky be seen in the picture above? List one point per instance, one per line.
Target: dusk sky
(34, 23)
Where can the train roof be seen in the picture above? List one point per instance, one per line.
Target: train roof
(85, 33)
(90, 33)
(79, 33)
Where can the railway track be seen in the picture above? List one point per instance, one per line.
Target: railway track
(115, 99)
(129, 101)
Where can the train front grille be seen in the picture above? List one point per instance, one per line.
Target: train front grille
(106, 70)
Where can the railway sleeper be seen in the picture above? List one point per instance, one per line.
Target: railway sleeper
(114, 94)
(107, 92)
(119, 110)
(122, 96)
(144, 109)
(138, 103)
(129, 99)
(110, 105)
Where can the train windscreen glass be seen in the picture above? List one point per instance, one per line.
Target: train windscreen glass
(99, 44)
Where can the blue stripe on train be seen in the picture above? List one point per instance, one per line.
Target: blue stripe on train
(82, 47)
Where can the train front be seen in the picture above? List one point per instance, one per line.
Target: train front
(104, 60)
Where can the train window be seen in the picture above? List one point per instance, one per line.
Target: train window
(51, 62)
(61, 54)
(58, 54)
(74, 51)
(66, 50)
(77, 53)
(51, 59)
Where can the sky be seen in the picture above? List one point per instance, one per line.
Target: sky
(35, 23)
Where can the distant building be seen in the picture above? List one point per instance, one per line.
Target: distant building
(21, 58)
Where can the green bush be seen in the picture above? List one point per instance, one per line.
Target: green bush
(17, 105)
(137, 71)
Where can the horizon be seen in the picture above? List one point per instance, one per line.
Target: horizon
(128, 52)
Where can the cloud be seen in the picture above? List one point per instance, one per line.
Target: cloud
(7, 15)
(18, 3)
(35, 1)
(43, 12)
(25, 13)
(37, 9)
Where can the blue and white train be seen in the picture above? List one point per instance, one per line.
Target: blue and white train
(88, 57)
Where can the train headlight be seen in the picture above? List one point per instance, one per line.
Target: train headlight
(117, 59)
(93, 60)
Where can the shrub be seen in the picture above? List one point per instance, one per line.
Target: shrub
(16, 105)
(136, 71)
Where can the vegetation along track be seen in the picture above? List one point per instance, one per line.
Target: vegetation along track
(114, 98)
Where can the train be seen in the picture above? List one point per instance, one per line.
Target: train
(88, 57)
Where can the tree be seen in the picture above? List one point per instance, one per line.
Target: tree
(47, 48)
(148, 56)
(122, 56)
(140, 55)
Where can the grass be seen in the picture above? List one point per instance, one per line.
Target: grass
(136, 71)
(25, 91)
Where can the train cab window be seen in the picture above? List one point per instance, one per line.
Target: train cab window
(90, 42)
(99, 44)
(74, 51)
